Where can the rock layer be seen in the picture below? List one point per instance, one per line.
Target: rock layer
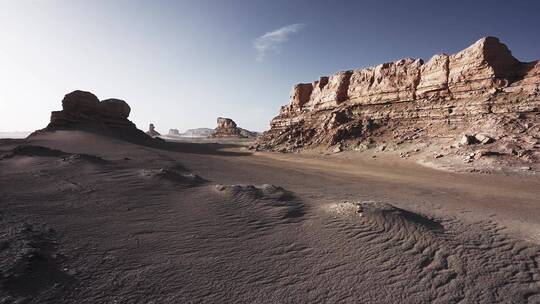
(482, 88)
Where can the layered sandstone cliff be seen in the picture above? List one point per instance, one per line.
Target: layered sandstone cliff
(480, 89)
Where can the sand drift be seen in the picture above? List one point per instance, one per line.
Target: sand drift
(123, 223)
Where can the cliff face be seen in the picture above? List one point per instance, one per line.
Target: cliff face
(482, 88)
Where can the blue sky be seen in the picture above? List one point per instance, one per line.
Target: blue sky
(181, 64)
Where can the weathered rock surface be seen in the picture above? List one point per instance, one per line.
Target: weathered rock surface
(481, 90)
(83, 110)
(248, 133)
(152, 131)
(226, 127)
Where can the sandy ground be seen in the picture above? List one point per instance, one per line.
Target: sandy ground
(89, 219)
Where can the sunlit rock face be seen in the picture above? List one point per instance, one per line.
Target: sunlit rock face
(481, 88)
(226, 127)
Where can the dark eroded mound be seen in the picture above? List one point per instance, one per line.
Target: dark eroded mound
(82, 110)
(40, 151)
(175, 175)
(387, 215)
(272, 199)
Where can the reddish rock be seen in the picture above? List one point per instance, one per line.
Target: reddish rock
(393, 81)
(80, 102)
(226, 127)
(300, 94)
(480, 89)
(483, 66)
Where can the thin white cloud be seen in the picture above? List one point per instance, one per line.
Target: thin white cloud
(272, 41)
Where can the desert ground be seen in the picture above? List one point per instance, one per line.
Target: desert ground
(91, 219)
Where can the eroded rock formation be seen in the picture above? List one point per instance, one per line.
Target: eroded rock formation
(226, 127)
(152, 131)
(82, 110)
(482, 89)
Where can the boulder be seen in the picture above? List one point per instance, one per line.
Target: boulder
(114, 108)
(387, 82)
(81, 102)
(300, 94)
(483, 139)
(466, 140)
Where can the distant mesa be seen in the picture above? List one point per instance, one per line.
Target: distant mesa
(174, 132)
(226, 127)
(198, 132)
(82, 110)
(152, 131)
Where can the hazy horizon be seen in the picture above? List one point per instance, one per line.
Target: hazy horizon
(182, 64)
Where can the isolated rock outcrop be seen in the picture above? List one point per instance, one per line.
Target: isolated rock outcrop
(226, 127)
(152, 131)
(83, 111)
(480, 90)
